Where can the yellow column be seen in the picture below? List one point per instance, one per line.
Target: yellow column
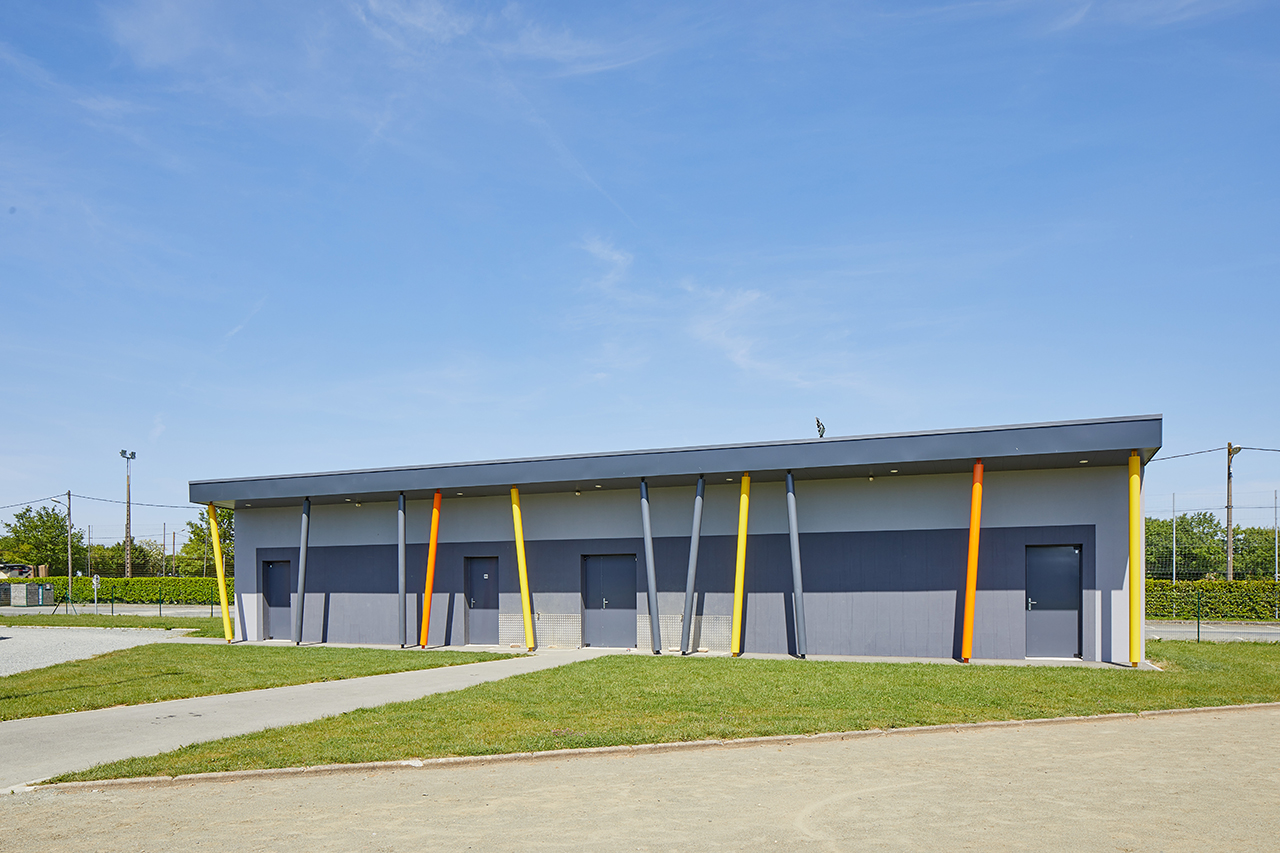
(740, 564)
(430, 585)
(524, 571)
(1137, 577)
(222, 574)
(971, 568)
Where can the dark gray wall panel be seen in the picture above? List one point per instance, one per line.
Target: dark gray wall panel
(867, 593)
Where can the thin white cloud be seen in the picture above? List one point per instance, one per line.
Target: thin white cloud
(619, 262)
(248, 317)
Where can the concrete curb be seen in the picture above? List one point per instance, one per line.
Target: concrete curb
(621, 750)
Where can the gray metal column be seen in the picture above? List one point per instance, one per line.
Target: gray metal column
(302, 571)
(404, 636)
(802, 646)
(686, 631)
(655, 631)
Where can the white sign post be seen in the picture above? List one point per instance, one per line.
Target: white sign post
(96, 580)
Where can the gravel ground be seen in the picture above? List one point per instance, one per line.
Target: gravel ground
(1166, 784)
(31, 648)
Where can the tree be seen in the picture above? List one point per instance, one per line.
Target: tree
(197, 551)
(38, 536)
(1202, 548)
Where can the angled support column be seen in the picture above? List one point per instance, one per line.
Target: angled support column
(221, 570)
(525, 605)
(651, 574)
(302, 571)
(430, 585)
(971, 571)
(1136, 574)
(400, 567)
(686, 628)
(797, 582)
(740, 565)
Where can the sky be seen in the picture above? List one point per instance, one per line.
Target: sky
(245, 239)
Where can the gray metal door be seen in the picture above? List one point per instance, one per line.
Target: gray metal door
(482, 600)
(609, 601)
(277, 589)
(1053, 601)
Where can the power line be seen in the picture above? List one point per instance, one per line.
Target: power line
(136, 503)
(1196, 453)
(1267, 449)
(29, 503)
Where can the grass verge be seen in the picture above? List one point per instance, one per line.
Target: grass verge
(161, 671)
(643, 699)
(203, 625)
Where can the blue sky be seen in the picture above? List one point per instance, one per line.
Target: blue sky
(379, 232)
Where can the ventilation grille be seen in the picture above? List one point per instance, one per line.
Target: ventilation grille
(563, 630)
(709, 632)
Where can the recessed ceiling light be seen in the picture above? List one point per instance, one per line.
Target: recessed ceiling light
(893, 470)
(1083, 461)
(248, 504)
(597, 485)
(357, 503)
(348, 500)
(871, 479)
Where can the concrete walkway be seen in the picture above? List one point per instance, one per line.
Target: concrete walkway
(39, 747)
(1192, 783)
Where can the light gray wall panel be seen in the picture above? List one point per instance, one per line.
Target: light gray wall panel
(595, 514)
(476, 520)
(348, 524)
(926, 502)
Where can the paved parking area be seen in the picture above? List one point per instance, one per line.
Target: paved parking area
(1194, 782)
(1218, 632)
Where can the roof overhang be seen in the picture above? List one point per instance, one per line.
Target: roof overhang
(1062, 444)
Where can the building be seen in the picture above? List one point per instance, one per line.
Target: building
(707, 546)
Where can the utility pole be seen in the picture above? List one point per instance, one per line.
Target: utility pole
(68, 550)
(164, 545)
(1175, 537)
(173, 554)
(128, 456)
(69, 573)
(1232, 450)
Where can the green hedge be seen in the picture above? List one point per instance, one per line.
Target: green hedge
(1219, 599)
(139, 590)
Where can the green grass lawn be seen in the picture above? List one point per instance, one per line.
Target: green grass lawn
(643, 699)
(203, 625)
(160, 671)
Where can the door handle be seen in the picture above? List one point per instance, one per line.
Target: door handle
(1029, 602)
(604, 604)
(473, 603)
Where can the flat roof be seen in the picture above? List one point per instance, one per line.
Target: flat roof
(1058, 444)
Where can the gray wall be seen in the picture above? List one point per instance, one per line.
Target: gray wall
(883, 559)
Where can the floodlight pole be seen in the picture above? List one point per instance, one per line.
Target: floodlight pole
(128, 456)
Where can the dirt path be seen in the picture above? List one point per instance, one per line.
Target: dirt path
(1197, 782)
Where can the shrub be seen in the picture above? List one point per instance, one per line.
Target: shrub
(1218, 599)
(139, 590)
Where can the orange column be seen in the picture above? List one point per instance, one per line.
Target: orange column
(431, 568)
(971, 574)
